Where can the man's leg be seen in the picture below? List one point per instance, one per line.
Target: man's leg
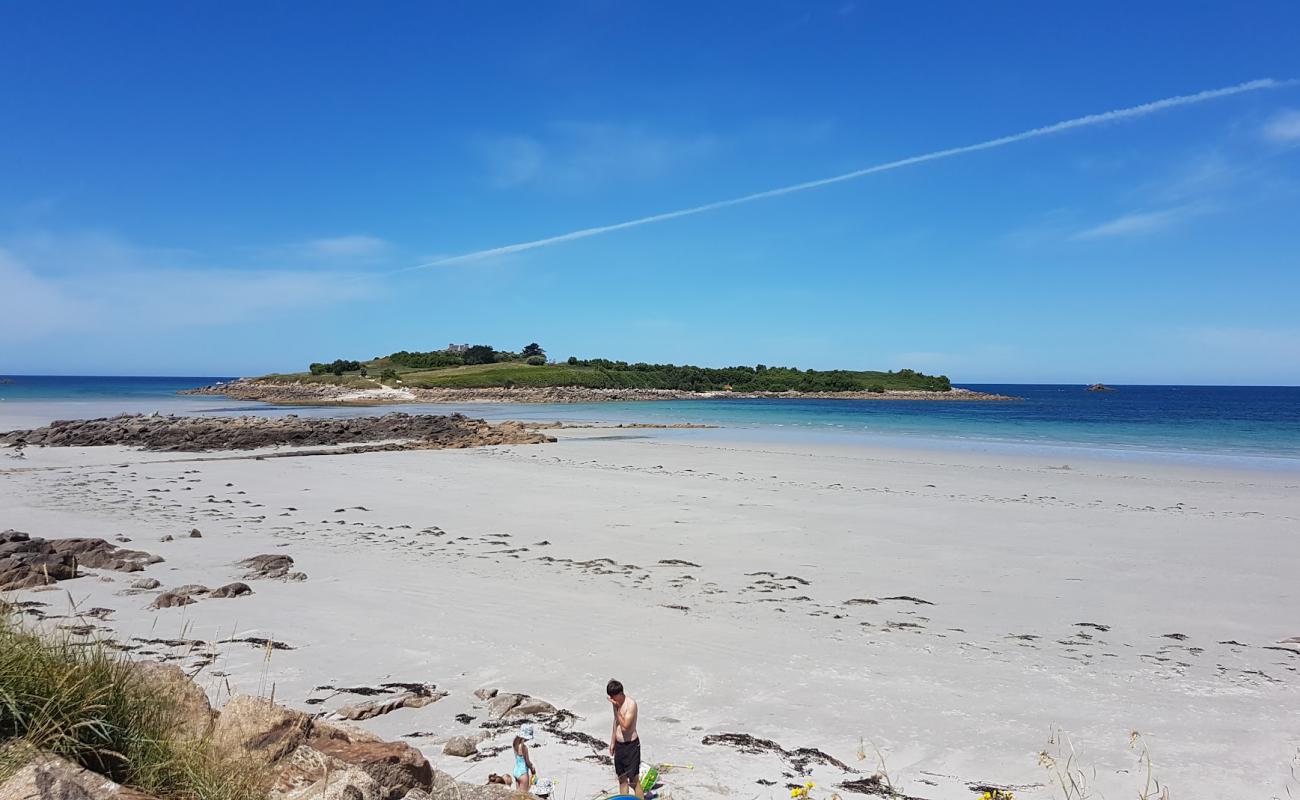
(620, 767)
(634, 771)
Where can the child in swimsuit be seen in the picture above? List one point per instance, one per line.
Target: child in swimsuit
(524, 771)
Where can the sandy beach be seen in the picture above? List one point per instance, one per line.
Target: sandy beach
(940, 613)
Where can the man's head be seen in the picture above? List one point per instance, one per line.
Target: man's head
(615, 690)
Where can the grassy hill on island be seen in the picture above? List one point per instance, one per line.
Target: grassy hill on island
(482, 366)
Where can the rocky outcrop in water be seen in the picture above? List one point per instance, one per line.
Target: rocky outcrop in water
(312, 393)
(195, 434)
(27, 561)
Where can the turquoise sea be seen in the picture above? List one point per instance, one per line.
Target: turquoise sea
(1255, 425)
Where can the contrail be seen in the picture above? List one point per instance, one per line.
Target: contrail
(1070, 124)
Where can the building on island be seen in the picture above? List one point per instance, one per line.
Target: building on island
(457, 348)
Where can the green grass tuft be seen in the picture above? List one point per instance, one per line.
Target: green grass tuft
(88, 705)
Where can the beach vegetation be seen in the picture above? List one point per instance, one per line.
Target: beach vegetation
(86, 703)
(482, 366)
(479, 354)
(336, 367)
(430, 360)
(353, 380)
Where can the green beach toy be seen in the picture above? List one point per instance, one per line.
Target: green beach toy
(650, 779)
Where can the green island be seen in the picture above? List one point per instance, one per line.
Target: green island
(483, 367)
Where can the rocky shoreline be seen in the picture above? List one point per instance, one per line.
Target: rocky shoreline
(311, 393)
(198, 434)
(295, 755)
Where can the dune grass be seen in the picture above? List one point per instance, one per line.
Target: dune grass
(87, 704)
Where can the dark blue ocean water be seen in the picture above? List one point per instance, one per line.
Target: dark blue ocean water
(92, 387)
(1243, 421)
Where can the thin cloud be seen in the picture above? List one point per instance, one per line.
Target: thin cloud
(1135, 224)
(1088, 121)
(354, 246)
(1283, 128)
(581, 155)
(1282, 344)
(143, 291)
(1231, 353)
(35, 306)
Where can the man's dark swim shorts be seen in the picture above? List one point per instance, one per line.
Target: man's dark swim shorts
(627, 760)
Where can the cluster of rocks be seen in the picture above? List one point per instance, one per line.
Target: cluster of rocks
(508, 709)
(27, 561)
(301, 758)
(272, 566)
(184, 595)
(298, 393)
(268, 566)
(417, 697)
(194, 434)
(513, 705)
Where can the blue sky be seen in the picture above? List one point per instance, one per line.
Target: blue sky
(239, 187)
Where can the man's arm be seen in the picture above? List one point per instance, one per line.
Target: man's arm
(625, 717)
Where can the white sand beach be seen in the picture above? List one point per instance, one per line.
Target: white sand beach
(939, 612)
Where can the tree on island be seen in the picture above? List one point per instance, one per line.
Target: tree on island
(336, 367)
(533, 349)
(479, 354)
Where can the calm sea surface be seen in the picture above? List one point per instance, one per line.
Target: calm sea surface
(1249, 423)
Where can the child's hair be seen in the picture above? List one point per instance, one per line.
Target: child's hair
(613, 688)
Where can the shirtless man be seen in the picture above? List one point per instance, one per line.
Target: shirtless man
(624, 743)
